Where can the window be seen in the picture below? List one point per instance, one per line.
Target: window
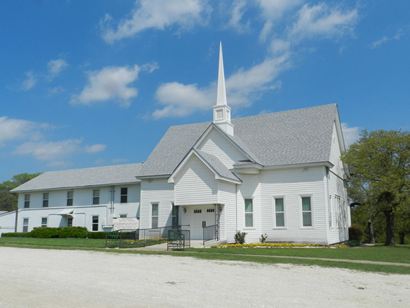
(330, 212)
(44, 222)
(123, 215)
(154, 216)
(95, 223)
(25, 225)
(210, 210)
(26, 200)
(248, 213)
(70, 221)
(96, 196)
(279, 213)
(124, 194)
(197, 211)
(219, 114)
(174, 215)
(70, 197)
(45, 199)
(306, 212)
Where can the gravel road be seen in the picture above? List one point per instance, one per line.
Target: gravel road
(63, 278)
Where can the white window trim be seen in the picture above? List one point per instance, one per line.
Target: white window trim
(253, 214)
(41, 224)
(274, 212)
(92, 223)
(301, 226)
(152, 203)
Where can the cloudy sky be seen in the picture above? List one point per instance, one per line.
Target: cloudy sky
(86, 83)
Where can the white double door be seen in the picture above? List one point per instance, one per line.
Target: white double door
(197, 217)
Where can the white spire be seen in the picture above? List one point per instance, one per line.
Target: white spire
(221, 93)
(222, 112)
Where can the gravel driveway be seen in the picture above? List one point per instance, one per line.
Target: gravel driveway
(63, 278)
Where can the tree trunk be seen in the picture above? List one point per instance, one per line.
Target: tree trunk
(370, 231)
(402, 235)
(389, 215)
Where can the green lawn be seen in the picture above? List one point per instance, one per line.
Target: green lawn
(377, 253)
(75, 243)
(399, 254)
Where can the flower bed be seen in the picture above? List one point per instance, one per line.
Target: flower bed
(279, 245)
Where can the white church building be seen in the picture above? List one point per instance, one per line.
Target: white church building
(278, 174)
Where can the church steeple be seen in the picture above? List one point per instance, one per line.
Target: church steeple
(222, 112)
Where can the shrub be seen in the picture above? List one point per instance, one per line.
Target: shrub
(355, 233)
(42, 232)
(263, 238)
(16, 234)
(240, 237)
(97, 235)
(73, 232)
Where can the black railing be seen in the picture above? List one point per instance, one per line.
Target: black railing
(210, 233)
(178, 239)
(140, 237)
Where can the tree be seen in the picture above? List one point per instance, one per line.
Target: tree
(8, 201)
(379, 164)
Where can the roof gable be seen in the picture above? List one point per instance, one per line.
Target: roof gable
(220, 171)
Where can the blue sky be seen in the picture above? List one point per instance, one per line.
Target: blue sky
(87, 83)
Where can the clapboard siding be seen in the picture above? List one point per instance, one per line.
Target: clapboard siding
(340, 210)
(195, 184)
(161, 192)
(250, 188)
(292, 184)
(227, 197)
(219, 146)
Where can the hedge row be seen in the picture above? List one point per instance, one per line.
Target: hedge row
(65, 232)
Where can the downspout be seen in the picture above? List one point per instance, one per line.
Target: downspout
(16, 220)
(236, 207)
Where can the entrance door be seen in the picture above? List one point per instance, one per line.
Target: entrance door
(199, 217)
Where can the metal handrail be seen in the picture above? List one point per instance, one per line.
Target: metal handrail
(210, 233)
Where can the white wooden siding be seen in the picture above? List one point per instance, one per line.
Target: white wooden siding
(156, 191)
(338, 231)
(195, 184)
(219, 146)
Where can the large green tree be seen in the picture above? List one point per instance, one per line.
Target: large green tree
(8, 201)
(379, 164)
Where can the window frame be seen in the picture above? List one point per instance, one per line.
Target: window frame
(93, 224)
(45, 200)
(27, 201)
(96, 197)
(154, 216)
(68, 202)
(122, 195)
(44, 225)
(302, 226)
(174, 215)
(275, 225)
(248, 213)
(123, 216)
(26, 226)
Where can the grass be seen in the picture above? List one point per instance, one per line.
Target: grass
(399, 254)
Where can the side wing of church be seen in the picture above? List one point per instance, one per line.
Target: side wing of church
(278, 174)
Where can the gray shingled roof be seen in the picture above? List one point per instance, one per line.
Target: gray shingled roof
(273, 139)
(97, 176)
(217, 165)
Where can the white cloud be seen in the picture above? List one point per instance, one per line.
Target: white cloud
(351, 134)
(11, 129)
(321, 20)
(386, 39)
(55, 67)
(156, 14)
(237, 10)
(95, 148)
(109, 83)
(179, 100)
(55, 152)
(49, 150)
(29, 82)
(272, 11)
